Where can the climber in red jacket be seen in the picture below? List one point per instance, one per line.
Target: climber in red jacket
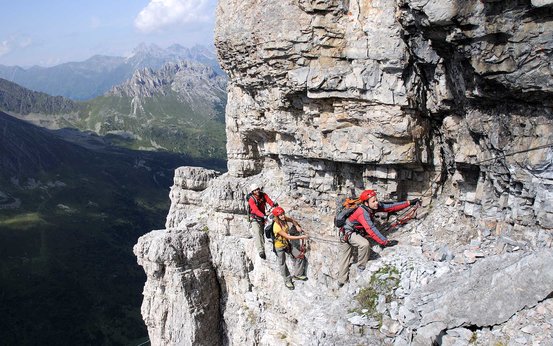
(360, 222)
(257, 200)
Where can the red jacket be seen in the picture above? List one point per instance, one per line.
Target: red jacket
(363, 219)
(257, 205)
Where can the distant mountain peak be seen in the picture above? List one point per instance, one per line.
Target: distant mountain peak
(178, 75)
(176, 51)
(95, 76)
(176, 48)
(148, 48)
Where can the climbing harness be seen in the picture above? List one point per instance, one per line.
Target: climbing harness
(344, 234)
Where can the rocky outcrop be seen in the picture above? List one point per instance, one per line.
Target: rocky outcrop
(490, 284)
(443, 100)
(182, 300)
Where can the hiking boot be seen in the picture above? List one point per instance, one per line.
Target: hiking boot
(300, 277)
(289, 285)
(373, 256)
(262, 255)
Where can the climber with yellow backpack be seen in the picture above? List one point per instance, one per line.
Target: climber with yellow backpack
(282, 242)
(355, 220)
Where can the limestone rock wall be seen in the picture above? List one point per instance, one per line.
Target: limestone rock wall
(448, 101)
(181, 296)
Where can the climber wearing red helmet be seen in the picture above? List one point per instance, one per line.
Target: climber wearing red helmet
(365, 195)
(283, 247)
(361, 222)
(278, 211)
(257, 200)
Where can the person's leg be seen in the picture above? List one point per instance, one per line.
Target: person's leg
(343, 262)
(299, 264)
(257, 230)
(363, 249)
(281, 260)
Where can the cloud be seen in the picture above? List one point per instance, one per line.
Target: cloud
(4, 47)
(159, 14)
(14, 42)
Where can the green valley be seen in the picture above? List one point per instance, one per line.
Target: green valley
(161, 122)
(69, 217)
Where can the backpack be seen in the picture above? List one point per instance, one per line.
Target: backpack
(269, 234)
(345, 207)
(247, 200)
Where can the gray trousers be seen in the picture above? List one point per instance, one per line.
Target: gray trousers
(299, 263)
(363, 251)
(257, 230)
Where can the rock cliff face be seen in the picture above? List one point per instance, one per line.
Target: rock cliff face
(448, 101)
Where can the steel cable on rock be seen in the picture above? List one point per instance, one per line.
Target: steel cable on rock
(435, 180)
(410, 213)
(323, 240)
(548, 145)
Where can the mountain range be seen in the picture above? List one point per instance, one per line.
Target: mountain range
(178, 107)
(96, 75)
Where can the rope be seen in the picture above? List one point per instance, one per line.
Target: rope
(144, 343)
(435, 180)
(410, 213)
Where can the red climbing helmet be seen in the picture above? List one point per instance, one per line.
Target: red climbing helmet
(366, 195)
(278, 211)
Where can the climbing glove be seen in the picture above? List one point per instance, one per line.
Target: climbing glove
(391, 243)
(414, 201)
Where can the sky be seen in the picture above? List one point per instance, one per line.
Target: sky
(50, 32)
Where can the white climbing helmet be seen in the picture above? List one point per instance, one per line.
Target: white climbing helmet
(254, 186)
